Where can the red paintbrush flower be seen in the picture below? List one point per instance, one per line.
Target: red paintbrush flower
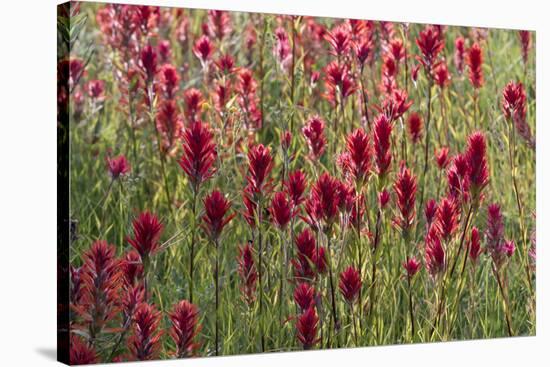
(475, 63)
(226, 64)
(148, 58)
(184, 317)
(295, 187)
(314, 132)
(509, 248)
(441, 75)
(447, 218)
(474, 245)
(405, 190)
(442, 157)
(513, 100)
(169, 80)
(132, 268)
(476, 155)
(250, 205)
(75, 287)
(382, 141)
(435, 254)
(339, 83)
(281, 210)
(525, 40)
(147, 231)
(324, 201)
(383, 199)
(430, 211)
(199, 153)
(203, 49)
(430, 45)
(306, 327)
(495, 228)
(396, 49)
(164, 50)
(411, 266)
(286, 140)
(306, 248)
(304, 296)
(247, 273)
(359, 148)
(216, 207)
(281, 49)
(96, 88)
(339, 40)
(219, 23)
(169, 123)
(260, 164)
(350, 284)
(305, 243)
(144, 343)
(415, 123)
(460, 51)
(118, 166)
(193, 104)
(396, 104)
(320, 260)
(81, 352)
(363, 50)
(133, 296)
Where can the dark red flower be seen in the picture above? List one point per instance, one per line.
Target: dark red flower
(405, 190)
(396, 104)
(281, 48)
(495, 228)
(306, 249)
(169, 80)
(383, 199)
(226, 64)
(184, 317)
(460, 51)
(215, 219)
(286, 140)
(193, 104)
(435, 254)
(75, 289)
(81, 352)
(118, 166)
(247, 273)
(441, 75)
(148, 60)
(415, 123)
(350, 284)
(363, 50)
(430, 45)
(96, 88)
(339, 83)
(306, 327)
(147, 231)
(474, 245)
(396, 49)
(476, 155)
(260, 164)
(219, 23)
(447, 218)
(411, 266)
(295, 187)
(164, 50)
(339, 40)
(320, 260)
(430, 211)
(203, 49)
(509, 248)
(304, 296)
(199, 153)
(475, 63)
(382, 141)
(281, 210)
(324, 201)
(525, 40)
(132, 268)
(314, 132)
(513, 100)
(144, 343)
(442, 157)
(359, 148)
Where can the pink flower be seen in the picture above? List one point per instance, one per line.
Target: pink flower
(203, 49)
(411, 266)
(314, 132)
(118, 166)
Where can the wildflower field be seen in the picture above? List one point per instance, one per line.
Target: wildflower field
(246, 183)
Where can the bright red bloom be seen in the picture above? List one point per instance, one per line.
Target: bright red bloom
(495, 228)
(411, 266)
(193, 104)
(447, 218)
(441, 75)
(185, 328)
(475, 63)
(169, 123)
(118, 166)
(304, 296)
(306, 326)
(430, 211)
(260, 164)
(525, 40)
(199, 153)
(435, 254)
(430, 45)
(295, 187)
(226, 64)
(306, 249)
(169, 80)
(305, 243)
(96, 88)
(219, 23)
(350, 284)
(216, 207)
(396, 104)
(324, 201)
(476, 155)
(144, 343)
(320, 260)
(513, 100)
(382, 141)
(359, 148)
(250, 205)
(363, 50)
(147, 231)
(148, 58)
(474, 245)
(415, 123)
(383, 199)
(509, 248)
(339, 83)
(396, 49)
(405, 190)
(339, 40)
(460, 51)
(247, 273)
(132, 268)
(314, 132)
(281, 210)
(203, 49)
(81, 352)
(442, 157)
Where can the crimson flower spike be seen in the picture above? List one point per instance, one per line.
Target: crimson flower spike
(306, 326)
(193, 104)
(144, 343)
(148, 58)
(525, 40)
(169, 80)
(460, 51)
(474, 245)
(203, 49)
(281, 210)
(430, 45)
(475, 63)
(382, 141)
(359, 148)
(247, 273)
(325, 197)
(216, 207)
(184, 318)
(199, 154)
(147, 230)
(476, 155)
(118, 166)
(435, 254)
(314, 132)
(260, 164)
(405, 190)
(515, 109)
(350, 284)
(447, 218)
(81, 352)
(295, 187)
(414, 123)
(411, 266)
(304, 296)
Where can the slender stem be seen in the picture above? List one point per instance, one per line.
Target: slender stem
(504, 301)
(193, 238)
(332, 292)
(411, 313)
(260, 272)
(217, 280)
(427, 140)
